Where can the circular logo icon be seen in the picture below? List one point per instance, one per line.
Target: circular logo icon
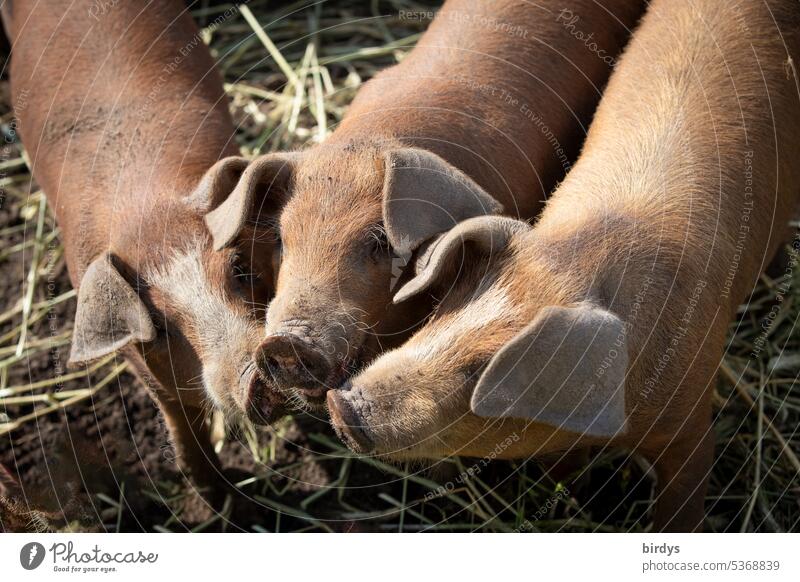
(31, 555)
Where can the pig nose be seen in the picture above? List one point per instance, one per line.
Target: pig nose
(263, 404)
(294, 364)
(347, 423)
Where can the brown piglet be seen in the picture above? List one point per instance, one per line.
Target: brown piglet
(493, 100)
(604, 324)
(122, 114)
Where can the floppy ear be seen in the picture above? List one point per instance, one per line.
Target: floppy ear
(423, 196)
(217, 183)
(489, 234)
(268, 174)
(110, 314)
(566, 369)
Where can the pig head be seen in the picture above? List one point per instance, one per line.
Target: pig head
(504, 355)
(191, 315)
(332, 308)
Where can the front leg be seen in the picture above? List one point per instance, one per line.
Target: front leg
(190, 433)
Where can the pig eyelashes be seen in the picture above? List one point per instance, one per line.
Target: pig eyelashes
(249, 282)
(474, 370)
(377, 242)
(243, 271)
(266, 227)
(161, 325)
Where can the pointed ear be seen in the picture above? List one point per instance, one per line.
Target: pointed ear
(110, 314)
(267, 176)
(488, 234)
(423, 196)
(566, 369)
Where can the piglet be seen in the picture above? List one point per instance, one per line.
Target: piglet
(124, 118)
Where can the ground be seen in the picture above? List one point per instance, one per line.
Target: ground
(88, 450)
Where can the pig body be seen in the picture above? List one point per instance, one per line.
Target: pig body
(493, 99)
(604, 324)
(122, 113)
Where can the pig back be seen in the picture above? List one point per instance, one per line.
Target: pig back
(120, 110)
(502, 90)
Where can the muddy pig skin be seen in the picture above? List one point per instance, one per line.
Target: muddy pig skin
(124, 119)
(605, 322)
(483, 115)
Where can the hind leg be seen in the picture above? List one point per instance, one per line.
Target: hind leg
(683, 467)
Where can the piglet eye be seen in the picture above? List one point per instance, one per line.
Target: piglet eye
(243, 273)
(275, 237)
(164, 329)
(474, 371)
(378, 244)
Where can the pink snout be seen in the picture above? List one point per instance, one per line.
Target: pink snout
(295, 366)
(262, 403)
(347, 423)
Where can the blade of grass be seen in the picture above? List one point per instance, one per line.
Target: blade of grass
(31, 280)
(83, 395)
(268, 44)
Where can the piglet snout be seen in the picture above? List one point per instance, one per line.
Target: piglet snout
(347, 423)
(263, 404)
(293, 363)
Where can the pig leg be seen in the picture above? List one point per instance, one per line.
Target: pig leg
(682, 469)
(191, 438)
(188, 430)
